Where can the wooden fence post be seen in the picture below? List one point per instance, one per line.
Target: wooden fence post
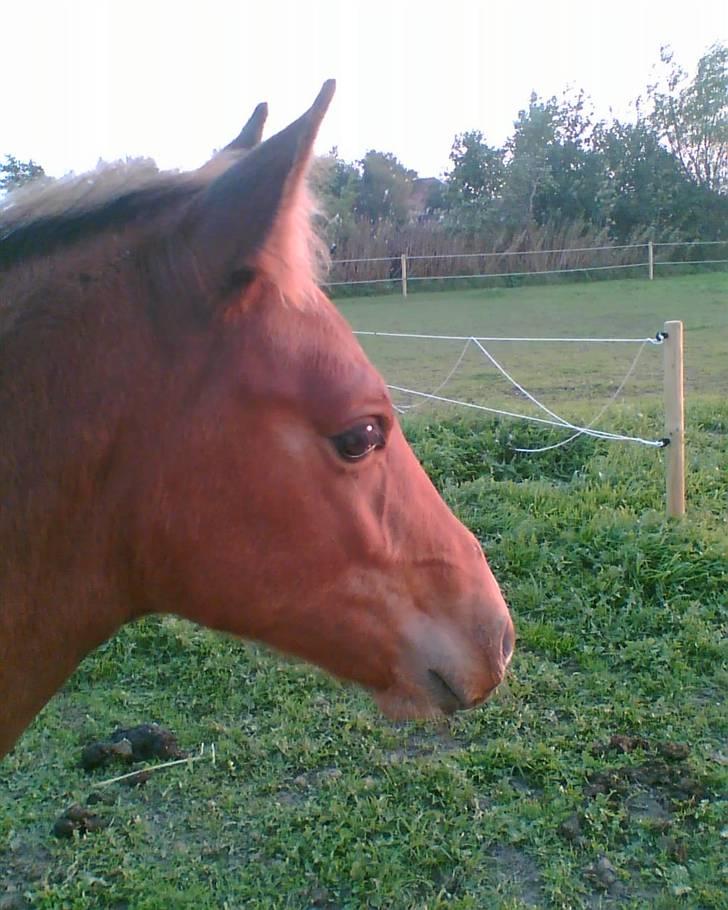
(674, 419)
(404, 275)
(651, 260)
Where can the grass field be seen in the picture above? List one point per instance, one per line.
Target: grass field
(561, 372)
(595, 778)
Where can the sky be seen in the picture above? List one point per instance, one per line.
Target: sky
(90, 79)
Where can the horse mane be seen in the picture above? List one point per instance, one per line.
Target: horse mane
(43, 216)
(46, 216)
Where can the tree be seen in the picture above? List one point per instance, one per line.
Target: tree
(527, 168)
(14, 173)
(475, 181)
(435, 195)
(644, 185)
(385, 188)
(691, 116)
(336, 184)
(550, 172)
(478, 172)
(575, 188)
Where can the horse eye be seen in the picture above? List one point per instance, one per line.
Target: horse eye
(360, 440)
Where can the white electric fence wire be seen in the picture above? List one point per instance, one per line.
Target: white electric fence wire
(505, 253)
(591, 423)
(655, 340)
(398, 278)
(597, 434)
(366, 259)
(581, 431)
(444, 382)
(692, 262)
(590, 268)
(581, 249)
(333, 284)
(557, 421)
(692, 243)
(502, 370)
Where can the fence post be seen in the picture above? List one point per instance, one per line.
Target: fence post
(674, 419)
(651, 260)
(404, 274)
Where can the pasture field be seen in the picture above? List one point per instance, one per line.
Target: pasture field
(582, 374)
(595, 778)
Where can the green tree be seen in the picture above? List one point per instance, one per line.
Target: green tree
(475, 181)
(691, 115)
(527, 170)
(478, 172)
(385, 188)
(551, 174)
(336, 184)
(644, 185)
(14, 173)
(575, 189)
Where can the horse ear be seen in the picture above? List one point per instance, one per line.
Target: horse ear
(252, 132)
(243, 220)
(248, 137)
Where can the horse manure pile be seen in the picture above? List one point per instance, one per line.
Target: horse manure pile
(78, 819)
(126, 746)
(141, 743)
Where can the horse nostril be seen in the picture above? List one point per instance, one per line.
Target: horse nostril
(508, 641)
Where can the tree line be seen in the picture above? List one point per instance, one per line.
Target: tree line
(562, 172)
(663, 175)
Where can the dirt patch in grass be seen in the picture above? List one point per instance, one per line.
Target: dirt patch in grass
(669, 785)
(422, 743)
(298, 790)
(656, 794)
(652, 790)
(23, 865)
(517, 874)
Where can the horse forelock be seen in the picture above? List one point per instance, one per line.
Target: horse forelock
(294, 257)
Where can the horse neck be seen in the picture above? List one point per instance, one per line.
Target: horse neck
(61, 537)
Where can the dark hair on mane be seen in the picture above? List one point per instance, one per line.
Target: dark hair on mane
(49, 217)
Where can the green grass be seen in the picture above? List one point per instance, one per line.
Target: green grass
(558, 372)
(316, 801)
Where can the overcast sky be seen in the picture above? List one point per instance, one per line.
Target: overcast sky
(92, 79)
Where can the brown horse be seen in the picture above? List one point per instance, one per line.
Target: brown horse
(189, 426)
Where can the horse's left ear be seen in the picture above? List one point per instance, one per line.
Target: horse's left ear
(251, 134)
(248, 137)
(248, 218)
